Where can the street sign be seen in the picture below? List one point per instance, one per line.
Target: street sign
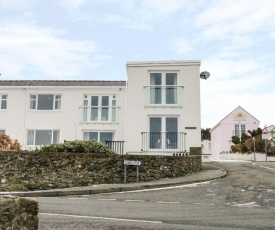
(265, 134)
(131, 162)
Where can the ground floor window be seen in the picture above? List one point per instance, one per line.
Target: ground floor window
(100, 136)
(42, 137)
(2, 131)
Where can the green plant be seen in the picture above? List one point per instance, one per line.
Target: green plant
(77, 146)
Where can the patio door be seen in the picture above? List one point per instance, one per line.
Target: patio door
(163, 133)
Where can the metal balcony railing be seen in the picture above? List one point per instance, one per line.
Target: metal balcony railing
(116, 146)
(163, 141)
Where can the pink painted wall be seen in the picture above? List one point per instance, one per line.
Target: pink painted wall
(221, 134)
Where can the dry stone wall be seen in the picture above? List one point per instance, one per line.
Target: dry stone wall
(25, 171)
(18, 213)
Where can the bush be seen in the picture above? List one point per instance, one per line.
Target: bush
(77, 147)
(6, 143)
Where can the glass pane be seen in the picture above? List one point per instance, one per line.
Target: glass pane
(4, 104)
(86, 136)
(85, 110)
(171, 133)
(105, 101)
(94, 101)
(106, 136)
(94, 114)
(33, 104)
(171, 79)
(93, 136)
(2, 131)
(155, 133)
(45, 102)
(57, 102)
(105, 114)
(113, 111)
(155, 95)
(155, 78)
(171, 95)
(4, 97)
(43, 137)
(55, 137)
(30, 137)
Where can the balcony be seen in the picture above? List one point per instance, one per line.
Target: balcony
(97, 114)
(163, 95)
(163, 141)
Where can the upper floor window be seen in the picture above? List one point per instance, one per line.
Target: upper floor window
(3, 101)
(45, 102)
(163, 88)
(42, 137)
(100, 108)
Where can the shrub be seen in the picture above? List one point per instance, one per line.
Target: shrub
(77, 147)
(6, 143)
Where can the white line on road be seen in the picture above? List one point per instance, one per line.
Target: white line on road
(103, 218)
(106, 199)
(135, 200)
(202, 204)
(266, 167)
(77, 198)
(167, 202)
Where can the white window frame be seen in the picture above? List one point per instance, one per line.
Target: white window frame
(85, 132)
(34, 133)
(2, 100)
(238, 130)
(163, 89)
(112, 109)
(33, 102)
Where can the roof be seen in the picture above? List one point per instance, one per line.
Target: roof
(60, 83)
(163, 63)
(229, 114)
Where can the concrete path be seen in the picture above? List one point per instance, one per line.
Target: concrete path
(209, 172)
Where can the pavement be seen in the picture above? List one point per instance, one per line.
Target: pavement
(208, 172)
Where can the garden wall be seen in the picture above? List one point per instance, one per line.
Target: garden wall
(36, 171)
(18, 213)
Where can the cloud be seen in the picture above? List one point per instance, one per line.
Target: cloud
(182, 45)
(42, 52)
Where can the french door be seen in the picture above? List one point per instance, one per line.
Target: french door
(163, 133)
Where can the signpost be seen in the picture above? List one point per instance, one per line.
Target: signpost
(131, 162)
(265, 137)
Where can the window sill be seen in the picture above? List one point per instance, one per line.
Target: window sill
(98, 122)
(163, 106)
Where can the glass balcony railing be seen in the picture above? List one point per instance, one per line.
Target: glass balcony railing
(99, 114)
(163, 95)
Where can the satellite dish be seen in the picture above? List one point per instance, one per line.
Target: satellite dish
(204, 75)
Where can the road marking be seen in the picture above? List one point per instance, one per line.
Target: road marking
(164, 188)
(106, 199)
(103, 218)
(77, 198)
(202, 204)
(134, 200)
(168, 202)
(266, 167)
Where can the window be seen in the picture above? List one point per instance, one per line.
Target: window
(239, 130)
(98, 136)
(42, 137)
(163, 132)
(3, 101)
(163, 88)
(101, 109)
(2, 131)
(45, 102)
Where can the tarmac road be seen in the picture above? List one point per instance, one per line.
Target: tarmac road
(244, 199)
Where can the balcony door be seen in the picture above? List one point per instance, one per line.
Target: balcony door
(163, 133)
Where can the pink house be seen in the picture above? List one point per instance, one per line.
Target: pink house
(234, 124)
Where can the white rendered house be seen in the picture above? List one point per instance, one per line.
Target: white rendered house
(157, 111)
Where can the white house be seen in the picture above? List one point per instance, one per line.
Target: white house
(157, 110)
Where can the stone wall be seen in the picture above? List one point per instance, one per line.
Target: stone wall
(18, 213)
(36, 171)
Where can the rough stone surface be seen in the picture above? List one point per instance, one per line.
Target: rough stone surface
(28, 171)
(18, 213)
